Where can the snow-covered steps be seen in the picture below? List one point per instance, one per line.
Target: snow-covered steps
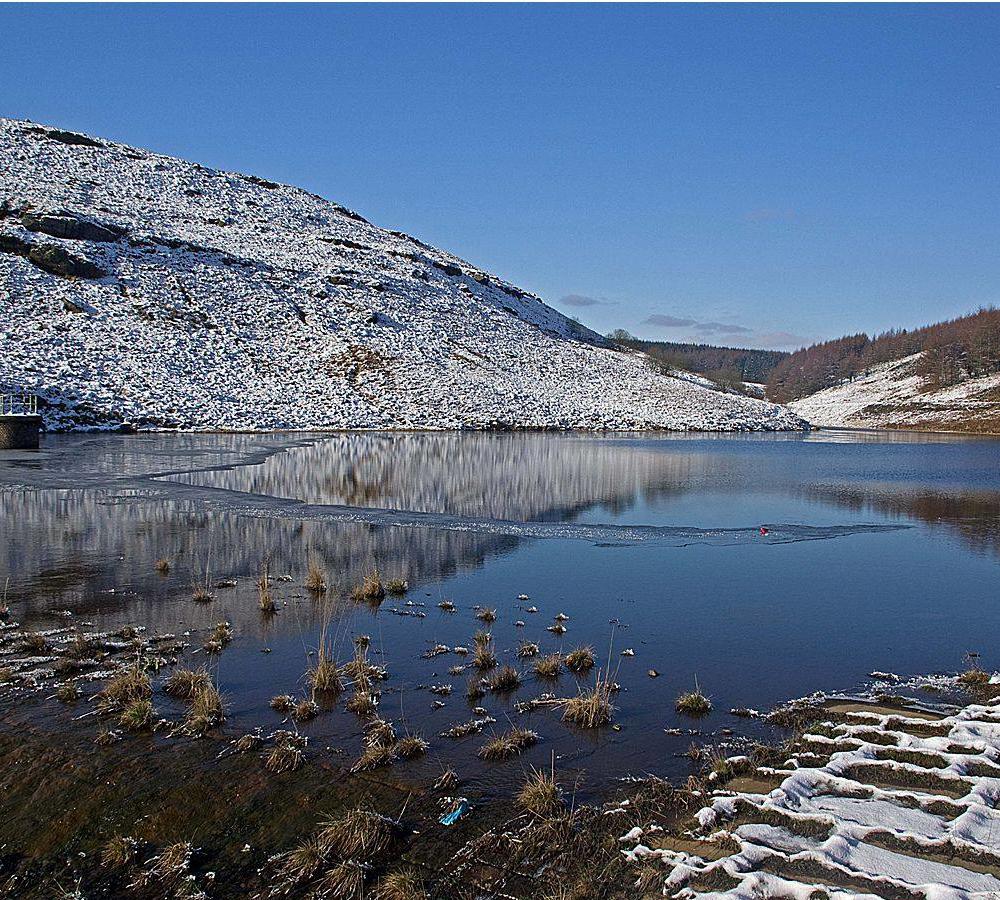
(904, 806)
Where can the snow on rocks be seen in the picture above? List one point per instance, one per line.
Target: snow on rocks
(905, 805)
(146, 290)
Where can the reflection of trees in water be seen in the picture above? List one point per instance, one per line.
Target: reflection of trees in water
(503, 476)
(972, 515)
(70, 546)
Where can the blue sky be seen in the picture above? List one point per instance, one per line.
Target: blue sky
(748, 175)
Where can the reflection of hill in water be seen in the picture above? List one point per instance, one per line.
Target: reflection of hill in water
(503, 476)
(974, 516)
(70, 544)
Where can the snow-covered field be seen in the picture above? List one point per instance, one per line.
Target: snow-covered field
(885, 805)
(893, 396)
(147, 290)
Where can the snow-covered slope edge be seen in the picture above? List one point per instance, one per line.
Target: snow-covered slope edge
(893, 395)
(142, 289)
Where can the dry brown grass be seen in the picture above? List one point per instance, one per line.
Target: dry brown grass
(361, 834)
(162, 566)
(581, 660)
(489, 616)
(379, 733)
(504, 680)
(527, 650)
(540, 795)
(119, 852)
(403, 885)
(324, 677)
(484, 657)
(201, 594)
(397, 587)
(287, 754)
(34, 643)
(315, 577)
(548, 666)
(974, 677)
(474, 690)
(693, 703)
(283, 703)
(362, 703)
(67, 692)
(447, 606)
(304, 861)
(126, 687)
(371, 590)
(343, 880)
(265, 596)
(185, 683)
(411, 746)
(507, 745)
(137, 715)
(218, 638)
(591, 708)
(305, 710)
(207, 710)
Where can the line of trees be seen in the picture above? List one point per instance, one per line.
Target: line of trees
(953, 351)
(728, 366)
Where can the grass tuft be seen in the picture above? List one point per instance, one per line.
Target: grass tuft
(137, 715)
(540, 795)
(411, 746)
(361, 833)
(162, 566)
(126, 687)
(287, 753)
(207, 710)
(371, 590)
(324, 677)
(580, 661)
(67, 692)
(548, 666)
(185, 683)
(527, 650)
(315, 578)
(403, 885)
(119, 852)
(504, 680)
(591, 708)
(265, 597)
(693, 703)
(508, 745)
(489, 616)
(305, 710)
(397, 587)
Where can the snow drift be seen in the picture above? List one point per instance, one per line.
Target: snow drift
(147, 290)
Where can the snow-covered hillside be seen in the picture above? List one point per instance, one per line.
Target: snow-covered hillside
(147, 290)
(893, 395)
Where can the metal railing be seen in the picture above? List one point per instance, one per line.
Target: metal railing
(19, 404)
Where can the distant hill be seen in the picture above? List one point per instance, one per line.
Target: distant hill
(144, 290)
(940, 377)
(951, 352)
(720, 364)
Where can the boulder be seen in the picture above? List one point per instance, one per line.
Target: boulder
(65, 225)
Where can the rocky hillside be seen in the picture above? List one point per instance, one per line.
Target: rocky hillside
(898, 395)
(154, 292)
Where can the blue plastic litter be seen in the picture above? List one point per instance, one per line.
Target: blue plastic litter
(456, 814)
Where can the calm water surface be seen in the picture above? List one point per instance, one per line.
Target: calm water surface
(882, 552)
